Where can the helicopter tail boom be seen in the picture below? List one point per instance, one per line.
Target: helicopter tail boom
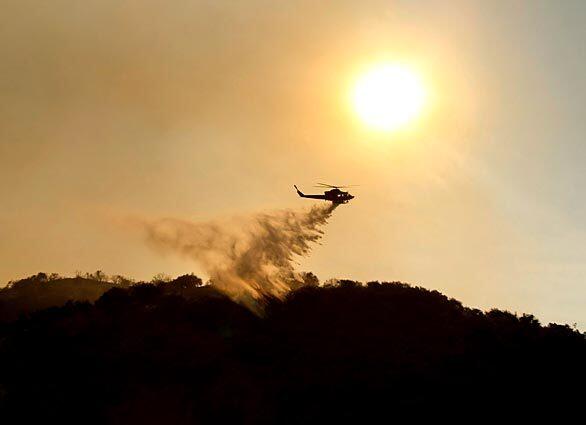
(303, 195)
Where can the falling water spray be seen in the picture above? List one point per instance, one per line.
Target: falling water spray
(248, 258)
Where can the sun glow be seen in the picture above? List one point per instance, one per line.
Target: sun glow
(388, 97)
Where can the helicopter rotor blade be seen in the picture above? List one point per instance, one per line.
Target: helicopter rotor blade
(327, 185)
(321, 185)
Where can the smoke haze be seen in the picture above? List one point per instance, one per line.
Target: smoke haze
(247, 257)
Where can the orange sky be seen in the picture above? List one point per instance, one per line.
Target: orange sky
(207, 109)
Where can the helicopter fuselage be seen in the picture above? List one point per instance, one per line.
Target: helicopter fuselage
(335, 195)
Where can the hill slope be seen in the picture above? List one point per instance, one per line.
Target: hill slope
(152, 354)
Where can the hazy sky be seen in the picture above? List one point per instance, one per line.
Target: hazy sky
(201, 109)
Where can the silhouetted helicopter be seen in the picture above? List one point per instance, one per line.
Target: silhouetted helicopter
(334, 195)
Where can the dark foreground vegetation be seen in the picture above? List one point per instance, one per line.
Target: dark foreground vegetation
(177, 352)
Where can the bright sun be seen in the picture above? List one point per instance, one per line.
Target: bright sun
(388, 97)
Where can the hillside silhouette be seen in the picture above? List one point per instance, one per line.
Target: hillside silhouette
(180, 352)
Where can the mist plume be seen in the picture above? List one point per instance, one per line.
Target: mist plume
(247, 258)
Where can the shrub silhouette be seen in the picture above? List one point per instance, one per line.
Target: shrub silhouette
(179, 352)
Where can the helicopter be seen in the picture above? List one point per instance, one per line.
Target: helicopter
(334, 194)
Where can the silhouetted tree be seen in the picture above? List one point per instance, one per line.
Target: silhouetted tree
(120, 280)
(100, 276)
(187, 281)
(160, 278)
(309, 279)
